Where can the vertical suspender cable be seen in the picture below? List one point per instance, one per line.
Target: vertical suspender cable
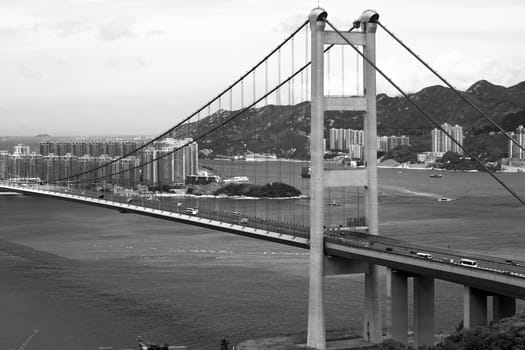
(242, 94)
(357, 73)
(428, 117)
(254, 92)
(278, 93)
(342, 70)
(328, 73)
(266, 82)
(293, 68)
(473, 106)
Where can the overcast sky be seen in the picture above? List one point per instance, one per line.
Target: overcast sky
(81, 67)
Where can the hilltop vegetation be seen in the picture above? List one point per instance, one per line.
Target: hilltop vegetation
(283, 130)
(507, 334)
(271, 190)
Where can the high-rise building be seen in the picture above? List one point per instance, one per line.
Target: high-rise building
(442, 143)
(516, 152)
(169, 161)
(4, 165)
(22, 149)
(46, 147)
(35, 165)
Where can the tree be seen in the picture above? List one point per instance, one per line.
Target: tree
(402, 154)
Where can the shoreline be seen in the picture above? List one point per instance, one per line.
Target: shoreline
(182, 195)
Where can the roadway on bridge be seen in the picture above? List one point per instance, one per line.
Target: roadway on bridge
(280, 232)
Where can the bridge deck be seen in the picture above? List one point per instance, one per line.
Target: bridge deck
(493, 274)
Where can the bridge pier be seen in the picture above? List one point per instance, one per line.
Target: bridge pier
(372, 330)
(423, 311)
(316, 325)
(398, 306)
(474, 307)
(503, 307)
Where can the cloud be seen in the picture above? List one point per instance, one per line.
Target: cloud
(112, 62)
(68, 28)
(29, 73)
(116, 29)
(142, 62)
(156, 32)
(464, 70)
(290, 24)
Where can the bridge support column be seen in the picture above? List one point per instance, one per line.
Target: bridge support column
(373, 331)
(423, 311)
(372, 313)
(474, 307)
(316, 326)
(399, 306)
(503, 307)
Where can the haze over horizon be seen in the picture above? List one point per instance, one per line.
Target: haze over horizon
(94, 67)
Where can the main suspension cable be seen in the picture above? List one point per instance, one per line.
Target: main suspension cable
(218, 97)
(473, 106)
(482, 165)
(167, 132)
(218, 126)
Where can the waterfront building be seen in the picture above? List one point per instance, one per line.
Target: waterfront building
(95, 148)
(442, 143)
(355, 151)
(35, 165)
(21, 149)
(166, 162)
(515, 152)
(169, 161)
(46, 147)
(4, 165)
(429, 157)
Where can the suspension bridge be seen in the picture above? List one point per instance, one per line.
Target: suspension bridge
(317, 69)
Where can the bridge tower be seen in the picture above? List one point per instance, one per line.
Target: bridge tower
(365, 178)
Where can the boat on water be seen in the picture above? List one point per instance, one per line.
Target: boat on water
(148, 346)
(237, 179)
(436, 176)
(306, 172)
(11, 194)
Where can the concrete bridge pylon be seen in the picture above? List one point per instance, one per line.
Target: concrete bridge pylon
(365, 37)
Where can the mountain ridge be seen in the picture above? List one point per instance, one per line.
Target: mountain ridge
(283, 130)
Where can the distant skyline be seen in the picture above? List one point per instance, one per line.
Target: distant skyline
(83, 67)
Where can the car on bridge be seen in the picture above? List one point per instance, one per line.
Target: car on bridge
(468, 262)
(192, 211)
(424, 255)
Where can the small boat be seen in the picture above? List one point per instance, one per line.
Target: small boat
(436, 176)
(148, 346)
(445, 199)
